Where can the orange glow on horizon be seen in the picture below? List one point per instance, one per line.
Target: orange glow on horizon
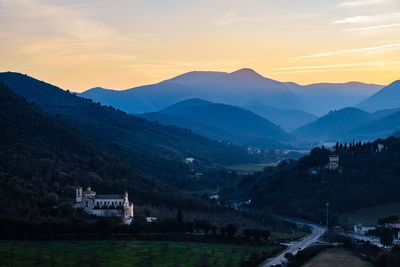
(87, 44)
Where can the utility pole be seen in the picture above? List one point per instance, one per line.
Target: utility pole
(327, 222)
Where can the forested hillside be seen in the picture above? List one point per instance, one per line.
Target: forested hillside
(366, 177)
(154, 148)
(42, 159)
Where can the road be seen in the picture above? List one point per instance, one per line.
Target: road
(294, 247)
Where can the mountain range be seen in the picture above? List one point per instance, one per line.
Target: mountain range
(315, 113)
(241, 108)
(288, 105)
(351, 124)
(241, 88)
(223, 122)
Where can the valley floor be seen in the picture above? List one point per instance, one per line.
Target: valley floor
(122, 253)
(336, 257)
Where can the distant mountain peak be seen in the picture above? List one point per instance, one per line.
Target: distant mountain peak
(246, 72)
(96, 89)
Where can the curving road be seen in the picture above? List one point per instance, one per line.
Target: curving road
(294, 247)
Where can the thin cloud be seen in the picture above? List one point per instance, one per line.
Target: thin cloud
(371, 28)
(357, 19)
(330, 66)
(349, 51)
(360, 3)
(340, 67)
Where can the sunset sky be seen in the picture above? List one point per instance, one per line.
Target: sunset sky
(124, 43)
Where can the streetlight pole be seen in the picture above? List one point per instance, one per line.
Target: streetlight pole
(327, 222)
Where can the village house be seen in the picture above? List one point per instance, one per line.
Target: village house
(360, 229)
(189, 160)
(333, 164)
(394, 225)
(104, 205)
(380, 148)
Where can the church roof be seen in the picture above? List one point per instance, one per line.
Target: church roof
(109, 197)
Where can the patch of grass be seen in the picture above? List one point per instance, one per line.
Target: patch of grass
(288, 236)
(121, 253)
(369, 215)
(335, 257)
(251, 167)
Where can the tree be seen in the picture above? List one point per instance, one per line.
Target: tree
(265, 234)
(189, 227)
(247, 233)
(222, 230)
(231, 229)
(290, 257)
(213, 229)
(389, 219)
(386, 236)
(179, 216)
(148, 211)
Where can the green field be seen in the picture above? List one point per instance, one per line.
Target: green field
(336, 257)
(252, 167)
(369, 215)
(121, 253)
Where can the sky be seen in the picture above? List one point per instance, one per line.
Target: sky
(120, 44)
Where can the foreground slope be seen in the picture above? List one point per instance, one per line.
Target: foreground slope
(223, 122)
(366, 177)
(42, 158)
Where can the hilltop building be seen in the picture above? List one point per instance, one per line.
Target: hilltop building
(189, 160)
(380, 148)
(333, 164)
(104, 205)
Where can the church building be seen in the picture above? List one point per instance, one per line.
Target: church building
(104, 205)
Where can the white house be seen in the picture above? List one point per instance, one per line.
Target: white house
(151, 219)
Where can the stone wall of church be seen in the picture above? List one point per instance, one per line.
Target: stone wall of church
(107, 212)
